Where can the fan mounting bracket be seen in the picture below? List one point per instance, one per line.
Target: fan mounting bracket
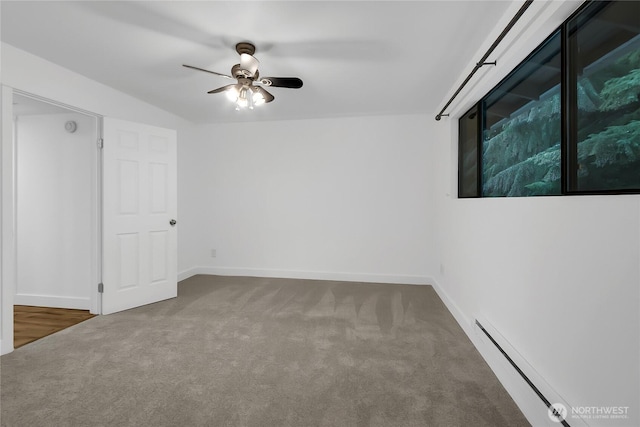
(245, 47)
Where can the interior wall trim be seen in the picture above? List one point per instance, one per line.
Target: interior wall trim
(310, 275)
(77, 303)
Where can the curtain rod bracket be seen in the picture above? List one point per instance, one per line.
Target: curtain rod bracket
(482, 61)
(439, 116)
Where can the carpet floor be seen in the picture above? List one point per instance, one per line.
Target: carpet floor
(241, 351)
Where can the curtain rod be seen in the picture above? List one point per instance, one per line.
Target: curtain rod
(483, 61)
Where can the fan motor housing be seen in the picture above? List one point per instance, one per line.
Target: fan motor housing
(239, 73)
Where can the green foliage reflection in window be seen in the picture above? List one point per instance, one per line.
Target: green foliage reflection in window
(522, 128)
(523, 145)
(605, 51)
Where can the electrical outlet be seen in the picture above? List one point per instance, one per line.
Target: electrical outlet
(213, 253)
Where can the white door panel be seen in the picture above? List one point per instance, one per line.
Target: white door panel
(140, 245)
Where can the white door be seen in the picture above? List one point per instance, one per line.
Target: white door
(139, 213)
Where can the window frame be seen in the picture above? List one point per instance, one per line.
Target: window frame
(482, 107)
(570, 141)
(479, 120)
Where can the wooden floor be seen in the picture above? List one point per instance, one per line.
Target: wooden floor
(33, 323)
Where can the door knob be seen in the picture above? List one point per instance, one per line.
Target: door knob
(172, 222)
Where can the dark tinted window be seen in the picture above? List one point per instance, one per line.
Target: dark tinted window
(604, 80)
(522, 132)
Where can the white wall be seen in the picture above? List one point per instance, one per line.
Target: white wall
(54, 182)
(328, 198)
(556, 278)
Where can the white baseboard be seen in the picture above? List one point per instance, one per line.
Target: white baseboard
(52, 301)
(533, 408)
(310, 275)
(5, 347)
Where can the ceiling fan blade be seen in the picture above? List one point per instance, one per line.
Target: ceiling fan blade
(207, 71)
(221, 89)
(266, 95)
(249, 63)
(290, 82)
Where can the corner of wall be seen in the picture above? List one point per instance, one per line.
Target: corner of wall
(7, 203)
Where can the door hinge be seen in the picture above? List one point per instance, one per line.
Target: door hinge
(100, 143)
(100, 288)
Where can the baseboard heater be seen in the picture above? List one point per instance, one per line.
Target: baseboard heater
(522, 374)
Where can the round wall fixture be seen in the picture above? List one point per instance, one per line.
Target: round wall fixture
(71, 126)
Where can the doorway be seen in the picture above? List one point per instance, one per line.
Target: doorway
(133, 249)
(57, 236)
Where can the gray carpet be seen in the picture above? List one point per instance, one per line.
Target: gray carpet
(240, 351)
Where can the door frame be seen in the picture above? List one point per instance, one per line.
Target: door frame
(8, 226)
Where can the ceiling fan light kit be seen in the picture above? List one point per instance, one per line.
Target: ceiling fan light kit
(245, 97)
(249, 92)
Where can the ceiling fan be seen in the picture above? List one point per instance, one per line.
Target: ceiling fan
(249, 91)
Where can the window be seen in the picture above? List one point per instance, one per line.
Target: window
(585, 75)
(604, 104)
(521, 130)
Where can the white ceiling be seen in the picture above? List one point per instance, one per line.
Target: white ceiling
(355, 57)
